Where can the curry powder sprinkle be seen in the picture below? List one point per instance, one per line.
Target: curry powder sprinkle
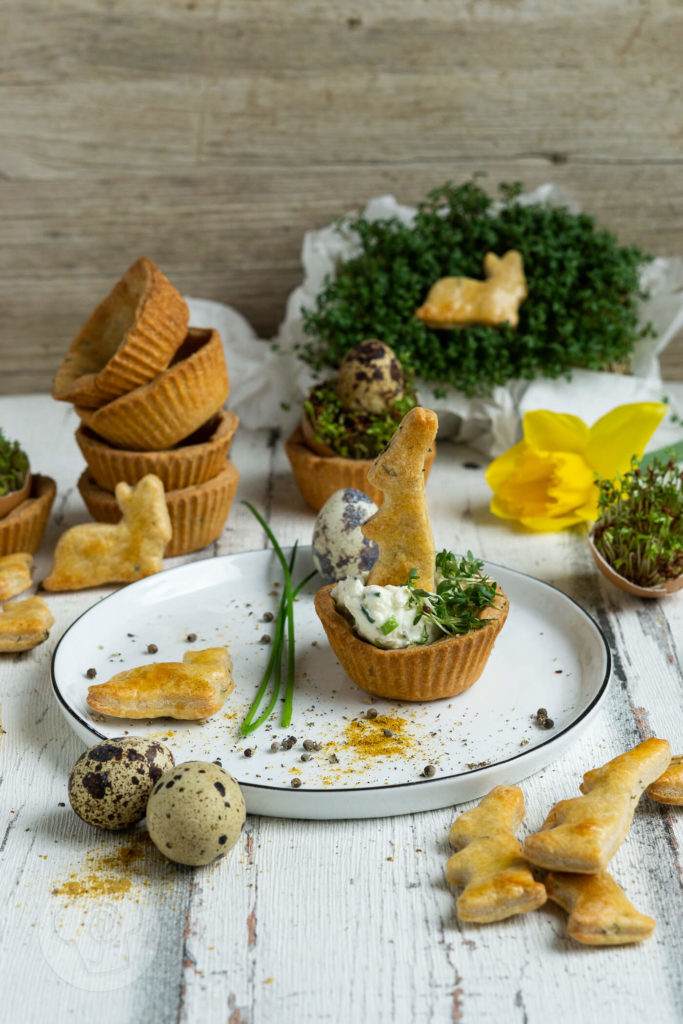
(383, 735)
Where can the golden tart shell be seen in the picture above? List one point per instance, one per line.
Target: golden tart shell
(22, 529)
(173, 405)
(129, 338)
(319, 476)
(421, 673)
(177, 468)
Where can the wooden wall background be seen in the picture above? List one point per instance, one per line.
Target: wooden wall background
(209, 134)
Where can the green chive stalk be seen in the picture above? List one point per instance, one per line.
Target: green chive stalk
(284, 623)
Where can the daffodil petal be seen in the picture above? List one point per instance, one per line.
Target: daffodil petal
(543, 485)
(501, 509)
(525, 490)
(539, 524)
(620, 434)
(571, 485)
(589, 510)
(502, 467)
(547, 481)
(555, 431)
(547, 525)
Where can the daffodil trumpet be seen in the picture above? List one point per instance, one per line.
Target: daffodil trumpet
(546, 481)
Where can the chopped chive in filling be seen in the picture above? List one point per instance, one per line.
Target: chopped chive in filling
(389, 626)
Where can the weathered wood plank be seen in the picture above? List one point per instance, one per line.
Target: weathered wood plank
(212, 135)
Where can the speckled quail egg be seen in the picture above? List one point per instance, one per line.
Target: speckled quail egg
(195, 813)
(110, 783)
(370, 378)
(339, 548)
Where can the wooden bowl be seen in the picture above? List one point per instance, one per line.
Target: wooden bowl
(172, 406)
(421, 673)
(197, 514)
(201, 457)
(668, 587)
(319, 476)
(22, 529)
(127, 340)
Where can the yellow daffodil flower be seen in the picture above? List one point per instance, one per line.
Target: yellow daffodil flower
(546, 481)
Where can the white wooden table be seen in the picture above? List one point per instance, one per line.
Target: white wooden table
(309, 921)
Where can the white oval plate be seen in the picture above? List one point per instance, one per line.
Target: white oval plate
(549, 654)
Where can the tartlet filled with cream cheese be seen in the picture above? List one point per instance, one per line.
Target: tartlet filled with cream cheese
(397, 657)
(418, 626)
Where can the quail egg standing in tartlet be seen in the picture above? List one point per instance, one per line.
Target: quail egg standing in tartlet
(339, 548)
(370, 378)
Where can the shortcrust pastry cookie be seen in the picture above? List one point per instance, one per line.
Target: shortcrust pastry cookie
(490, 863)
(194, 688)
(599, 912)
(582, 834)
(668, 788)
(24, 624)
(15, 574)
(95, 553)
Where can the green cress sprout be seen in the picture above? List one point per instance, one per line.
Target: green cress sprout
(639, 530)
(581, 310)
(351, 434)
(14, 466)
(461, 595)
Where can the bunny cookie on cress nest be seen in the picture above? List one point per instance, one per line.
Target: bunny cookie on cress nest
(462, 301)
(95, 553)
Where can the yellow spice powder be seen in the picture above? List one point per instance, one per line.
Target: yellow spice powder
(106, 874)
(379, 736)
(93, 885)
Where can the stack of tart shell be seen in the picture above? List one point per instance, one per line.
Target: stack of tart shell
(150, 392)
